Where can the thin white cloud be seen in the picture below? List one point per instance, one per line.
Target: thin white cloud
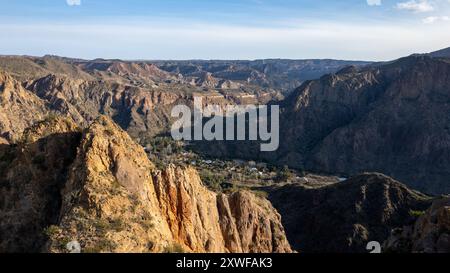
(434, 19)
(73, 2)
(178, 40)
(416, 6)
(374, 2)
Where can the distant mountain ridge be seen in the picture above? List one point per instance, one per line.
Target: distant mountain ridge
(443, 53)
(392, 118)
(282, 74)
(138, 96)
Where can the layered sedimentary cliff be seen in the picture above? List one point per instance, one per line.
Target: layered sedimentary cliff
(136, 95)
(138, 110)
(205, 221)
(19, 108)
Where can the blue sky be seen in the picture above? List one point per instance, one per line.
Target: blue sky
(224, 29)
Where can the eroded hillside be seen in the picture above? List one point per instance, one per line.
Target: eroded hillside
(109, 197)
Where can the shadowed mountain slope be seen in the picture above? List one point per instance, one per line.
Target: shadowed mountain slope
(344, 217)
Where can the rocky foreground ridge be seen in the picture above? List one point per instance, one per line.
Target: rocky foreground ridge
(97, 186)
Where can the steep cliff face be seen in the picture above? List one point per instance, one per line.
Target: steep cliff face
(109, 203)
(19, 108)
(346, 216)
(429, 234)
(392, 119)
(204, 221)
(32, 174)
(99, 188)
(137, 110)
(432, 230)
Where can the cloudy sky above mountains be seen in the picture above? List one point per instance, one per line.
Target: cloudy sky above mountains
(224, 29)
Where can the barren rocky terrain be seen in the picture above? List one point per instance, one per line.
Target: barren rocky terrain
(85, 157)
